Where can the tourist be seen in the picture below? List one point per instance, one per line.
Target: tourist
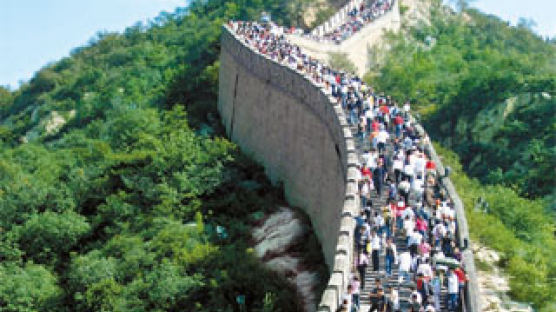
(404, 268)
(453, 290)
(379, 177)
(362, 263)
(391, 256)
(355, 290)
(436, 287)
(415, 300)
(375, 250)
(376, 296)
(393, 301)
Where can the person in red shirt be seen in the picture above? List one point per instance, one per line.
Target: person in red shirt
(421, 225)
(462, 278)
(366, 172)
(375, 126)
(430, 165)
(398, 122)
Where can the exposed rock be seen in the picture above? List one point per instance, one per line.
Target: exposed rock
(306, 283)
(273, 238)
(284, 264)
(493, 284)
(49, 125)
(278, 233)
(54, 123)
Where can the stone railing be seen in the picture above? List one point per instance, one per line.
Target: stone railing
(248, 79)
(337, 19)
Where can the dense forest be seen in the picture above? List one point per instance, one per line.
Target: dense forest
(487, 92)
(114, 176)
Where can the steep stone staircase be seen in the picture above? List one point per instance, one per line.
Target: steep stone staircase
(404, 289)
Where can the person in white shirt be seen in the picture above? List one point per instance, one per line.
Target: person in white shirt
(365, 193)
(393, 299)
(355, 290)
(425, 269)
(372, 161)
(405, 265)
(369, 115)
(406, 107)
(453, 290)
(365, 157)
(438, 232)
(347, 298)
(378, 220)
(408, 227)
(417, 187)
(375, 248)
(414, 240)
(415, 297)
(446, 211)
(451, 227)
(382, 138)
(408, 212)
(419, 165)
(404, 189)
(408, 171)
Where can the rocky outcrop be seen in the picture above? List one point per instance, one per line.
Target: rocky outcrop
(274, 240)
(493, 283)
(51, 124)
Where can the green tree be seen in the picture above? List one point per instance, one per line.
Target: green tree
(29, 288)
(45, 236)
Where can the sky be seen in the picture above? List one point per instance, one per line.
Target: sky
(34, 33)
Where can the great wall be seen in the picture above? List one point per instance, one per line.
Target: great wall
(290, 124)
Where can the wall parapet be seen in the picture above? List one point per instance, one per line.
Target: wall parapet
(338, 247)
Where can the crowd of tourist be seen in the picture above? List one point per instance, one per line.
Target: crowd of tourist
(357, 18)
(395, 167)
(416, 208)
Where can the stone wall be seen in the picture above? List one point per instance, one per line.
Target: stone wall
(287, 123)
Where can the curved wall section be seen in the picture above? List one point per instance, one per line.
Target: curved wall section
(286, 122)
